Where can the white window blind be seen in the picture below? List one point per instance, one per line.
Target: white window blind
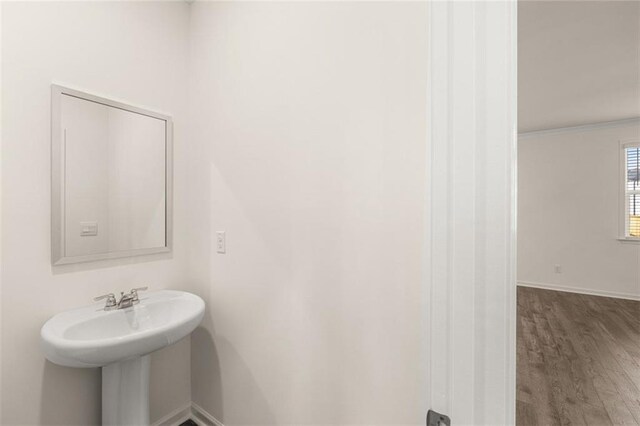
(632, 191)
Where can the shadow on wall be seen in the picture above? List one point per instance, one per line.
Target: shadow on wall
(82, 390)
(240, 400)
(208, 380)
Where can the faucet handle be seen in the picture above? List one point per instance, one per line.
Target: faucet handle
(104, 296)
(111, 300)
(134, 293)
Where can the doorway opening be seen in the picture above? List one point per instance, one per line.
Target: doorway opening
(578, 298)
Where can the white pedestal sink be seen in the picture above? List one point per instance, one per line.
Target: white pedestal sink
(120, 342)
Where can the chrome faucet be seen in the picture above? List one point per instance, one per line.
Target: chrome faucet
(126, 300)
(111, 301)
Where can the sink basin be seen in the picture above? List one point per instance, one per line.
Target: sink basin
(93, 337)
(120, 341)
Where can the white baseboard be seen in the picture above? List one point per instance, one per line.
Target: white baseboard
(190, 411)
(579, 290)
(176, 417)
(202, 417)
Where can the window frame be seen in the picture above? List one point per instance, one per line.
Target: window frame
(623, 230)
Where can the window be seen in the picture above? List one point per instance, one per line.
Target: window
(631, 169)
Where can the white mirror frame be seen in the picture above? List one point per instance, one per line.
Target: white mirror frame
(57, 182)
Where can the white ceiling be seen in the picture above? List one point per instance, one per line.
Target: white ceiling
(578, 62)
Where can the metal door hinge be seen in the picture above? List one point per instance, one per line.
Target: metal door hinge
(437, 419)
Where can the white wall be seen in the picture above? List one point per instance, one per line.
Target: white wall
(309, 120)
(568, 212)
(134, 51)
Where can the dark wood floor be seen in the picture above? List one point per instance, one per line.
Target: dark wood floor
(578, 359)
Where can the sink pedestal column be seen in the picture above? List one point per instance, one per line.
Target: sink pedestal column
(125, 392)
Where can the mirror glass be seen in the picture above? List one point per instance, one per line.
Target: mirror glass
(111, 178)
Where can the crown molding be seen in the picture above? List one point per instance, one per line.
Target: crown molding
(581, 128)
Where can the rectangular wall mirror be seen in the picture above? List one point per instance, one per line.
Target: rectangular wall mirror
(111, 178)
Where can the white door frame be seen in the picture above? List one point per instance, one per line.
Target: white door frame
(471, 205)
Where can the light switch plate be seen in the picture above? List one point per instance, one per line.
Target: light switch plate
(221, 243)
(88, 229)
